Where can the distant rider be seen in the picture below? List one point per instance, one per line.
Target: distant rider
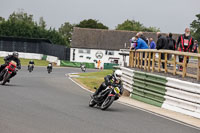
(50, 66)
(9, 58)
(111, 80)
(31, 63)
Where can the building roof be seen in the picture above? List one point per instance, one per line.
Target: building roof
(104, 39)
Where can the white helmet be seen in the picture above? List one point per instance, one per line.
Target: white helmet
(118, 74)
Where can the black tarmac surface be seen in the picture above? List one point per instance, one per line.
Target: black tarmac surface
(39, 102)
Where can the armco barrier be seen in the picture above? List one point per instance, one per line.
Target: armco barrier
(31, 56)
(76, 64)
(169, 93)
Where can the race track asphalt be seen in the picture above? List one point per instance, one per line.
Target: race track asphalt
(39, 102)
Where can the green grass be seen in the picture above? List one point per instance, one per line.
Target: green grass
(93, 79)
(24, 62)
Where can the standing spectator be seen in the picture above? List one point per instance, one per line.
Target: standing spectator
(171, 42)
(140, 35)
(161, 44)
(195, 47)
(152, 44)
(98, 64)
(185, 44)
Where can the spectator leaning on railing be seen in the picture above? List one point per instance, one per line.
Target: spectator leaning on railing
(141, 44)
(185, 43)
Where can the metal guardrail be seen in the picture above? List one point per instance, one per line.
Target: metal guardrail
(147, 60)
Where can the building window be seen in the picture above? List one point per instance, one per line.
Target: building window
(84, 51)
(109, 52)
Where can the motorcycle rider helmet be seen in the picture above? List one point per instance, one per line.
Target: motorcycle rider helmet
(15, 54)
(118, 74)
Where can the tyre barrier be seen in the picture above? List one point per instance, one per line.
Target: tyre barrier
(169, 93)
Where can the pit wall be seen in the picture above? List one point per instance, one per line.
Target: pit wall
(164, 92)
(33, 56)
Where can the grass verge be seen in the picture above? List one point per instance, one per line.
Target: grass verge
(25, 62)
(92, 79)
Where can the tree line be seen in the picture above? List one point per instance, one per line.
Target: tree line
(21, 24)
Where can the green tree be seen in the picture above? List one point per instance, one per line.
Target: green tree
(195, 28)
(91, 23)
(66, 30)
(2, 19)
(132, 25)
(42, 23)
(20, 24)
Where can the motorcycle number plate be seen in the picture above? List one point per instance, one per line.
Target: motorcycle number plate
(117, 90)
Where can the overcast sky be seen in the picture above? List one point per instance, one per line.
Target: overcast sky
(169, 15)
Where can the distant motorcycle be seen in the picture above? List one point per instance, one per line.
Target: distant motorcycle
(30, 68)
(105, 98)
(49, 69)
(83, 68)
(6, 73)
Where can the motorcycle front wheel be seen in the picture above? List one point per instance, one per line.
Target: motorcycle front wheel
(108, 101)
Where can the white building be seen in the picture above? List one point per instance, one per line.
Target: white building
(94, 55)
(92, 45)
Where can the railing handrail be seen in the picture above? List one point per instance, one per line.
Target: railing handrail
(148, 58)
(169, 52)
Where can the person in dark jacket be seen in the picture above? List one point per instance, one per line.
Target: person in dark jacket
(195, 47)
(185, 43)
(161, 44)
(171, 42)
(111, 80)
(9, 58)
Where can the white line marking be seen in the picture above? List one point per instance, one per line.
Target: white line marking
(144, 110)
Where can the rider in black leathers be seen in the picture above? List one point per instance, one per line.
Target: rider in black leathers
(31, 62)
(9, 58)
(111, 80)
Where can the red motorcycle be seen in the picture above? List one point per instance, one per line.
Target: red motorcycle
(7, 71)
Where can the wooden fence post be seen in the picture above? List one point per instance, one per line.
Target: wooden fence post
(165, 62)
(131, 58)
(135, 60)
(184, 66)
(138, 60)
(159, 61)
(198, 69)
(153, 62)
(149, 61)
(174, 72)
(141, 59)
(145, 63)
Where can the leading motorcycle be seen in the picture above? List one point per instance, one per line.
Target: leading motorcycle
(105, 98)
(7, 72)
